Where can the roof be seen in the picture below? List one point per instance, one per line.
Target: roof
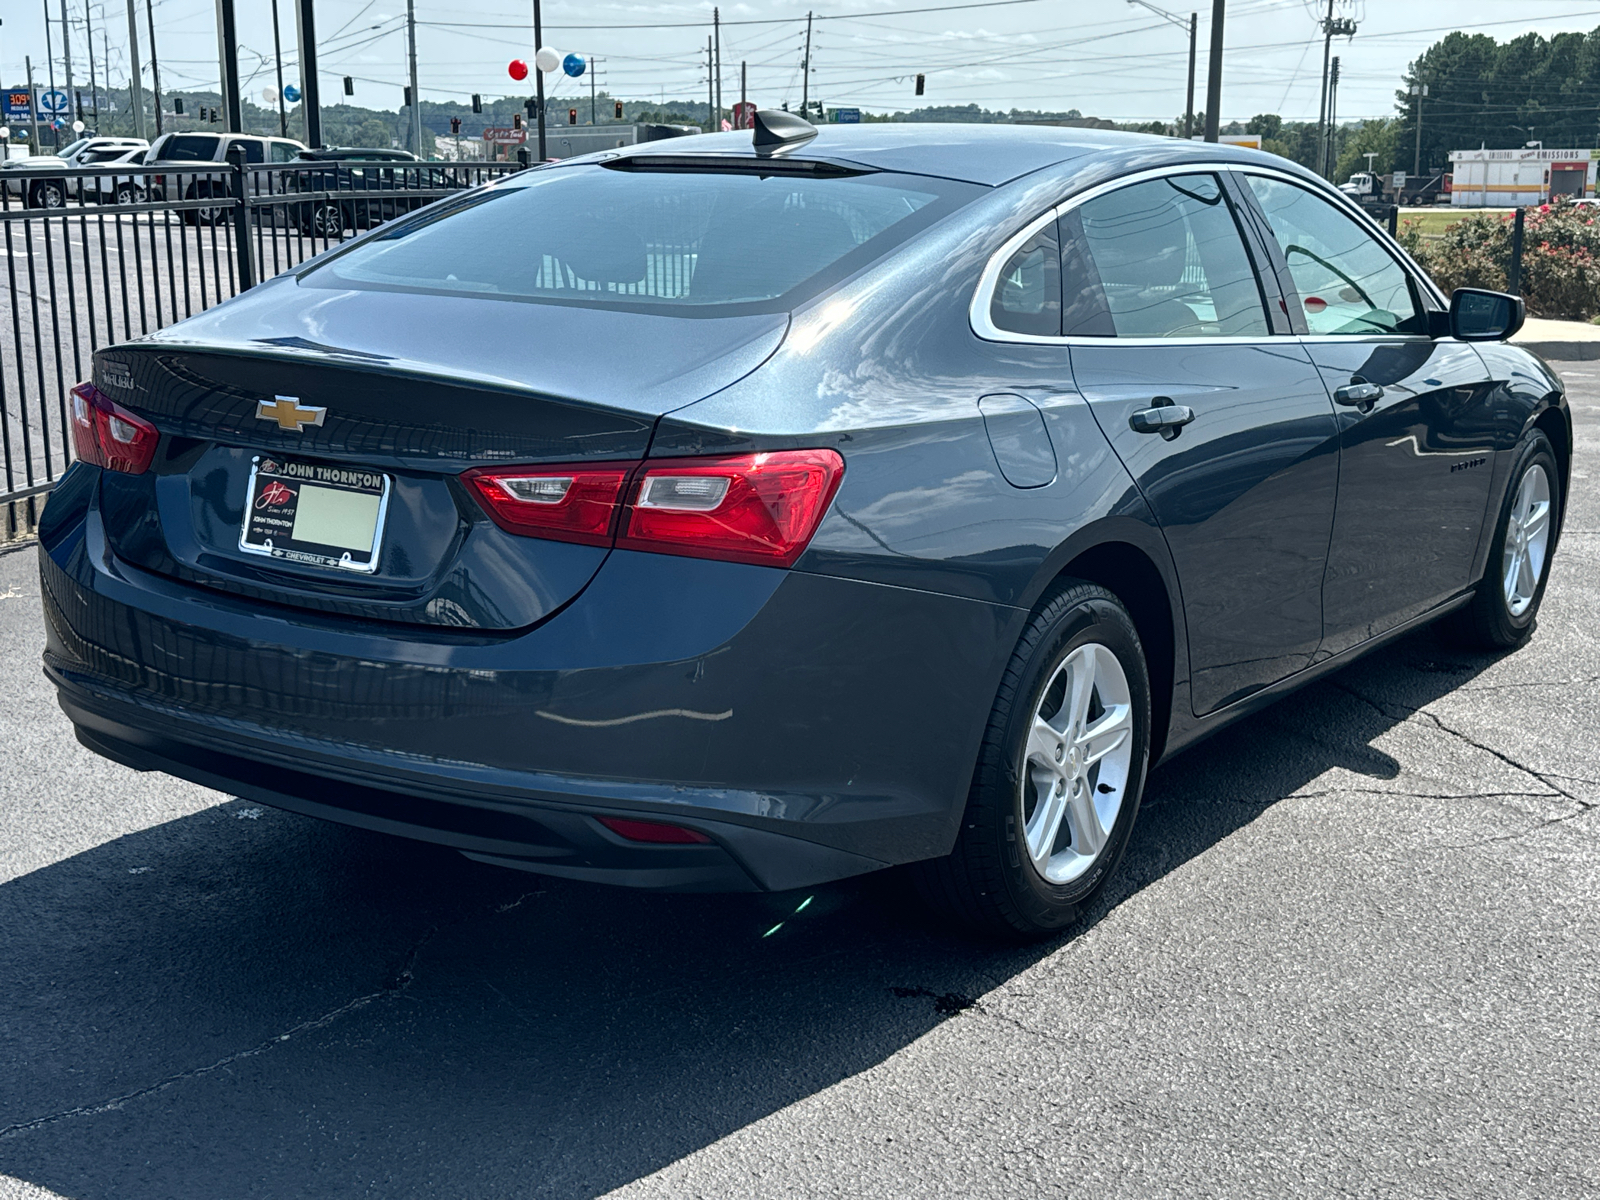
(987, 154)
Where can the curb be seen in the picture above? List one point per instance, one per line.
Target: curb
(1564, 351)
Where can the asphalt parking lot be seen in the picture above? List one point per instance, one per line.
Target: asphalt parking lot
(1354, 950)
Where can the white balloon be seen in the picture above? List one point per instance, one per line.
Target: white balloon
(77, 127)
(268, 94)
(5, 132)
(547, 60)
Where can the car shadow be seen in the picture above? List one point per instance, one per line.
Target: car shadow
(248, 1003)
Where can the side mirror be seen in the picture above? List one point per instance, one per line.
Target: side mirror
(1482, 316)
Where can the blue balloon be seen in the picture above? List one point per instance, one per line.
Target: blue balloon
(291, 93)
(573, 65)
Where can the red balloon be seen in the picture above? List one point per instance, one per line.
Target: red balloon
(518, 69)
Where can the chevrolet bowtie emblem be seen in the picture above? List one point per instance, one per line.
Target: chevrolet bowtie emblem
(289, 413)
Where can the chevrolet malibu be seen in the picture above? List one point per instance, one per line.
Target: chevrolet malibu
(765, 510)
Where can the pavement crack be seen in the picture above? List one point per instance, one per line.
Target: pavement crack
(1584, 808)
(394, 986)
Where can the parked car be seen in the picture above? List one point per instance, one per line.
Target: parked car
(192, 166)
(759, 511)
(380, 192)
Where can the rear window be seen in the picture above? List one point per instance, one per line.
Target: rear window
(690, 243)
(190, 147)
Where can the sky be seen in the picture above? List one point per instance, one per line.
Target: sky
(1107, 58)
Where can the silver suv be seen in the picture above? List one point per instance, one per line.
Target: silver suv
(185, 157)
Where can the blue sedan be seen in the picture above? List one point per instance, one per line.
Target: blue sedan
(746, 512)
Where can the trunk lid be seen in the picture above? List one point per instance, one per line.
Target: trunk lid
(415, 391)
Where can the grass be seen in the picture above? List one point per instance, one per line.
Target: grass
(1434, 221)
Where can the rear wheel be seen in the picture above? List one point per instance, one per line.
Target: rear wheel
(1503, 610)
(48, 193)
(131, 193)
(1059, 776)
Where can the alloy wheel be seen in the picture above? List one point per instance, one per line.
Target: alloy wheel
(1527, 540)
(1076, 763)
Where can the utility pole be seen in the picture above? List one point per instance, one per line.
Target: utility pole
(711, 85)
(805, 75)
(155, 71)
(277, 58)
(744, 90)
(49, 52)
(1419, 90)
(416, 96)
(716, 28)
(1214, 72)
(228, 52)
(94, 87)
(305, 26)
(538, 75)
(66, 52)
(1192, 25)
(33, 104)
(1344, 27)
(1333, 119)
(135, 88)
(593, 120)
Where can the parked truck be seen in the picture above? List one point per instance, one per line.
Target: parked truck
(1379, 191)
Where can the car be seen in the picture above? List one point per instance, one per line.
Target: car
(780, 506)
(360, 170)
(53, 192)
(182, 159)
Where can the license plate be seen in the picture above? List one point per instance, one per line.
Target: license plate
(319, 514)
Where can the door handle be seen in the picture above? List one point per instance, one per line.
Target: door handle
(1165, 418)
(1358, 393)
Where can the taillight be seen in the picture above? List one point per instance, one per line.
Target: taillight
(107, 435)
(751, 508)
(654, 831)
(568, 504)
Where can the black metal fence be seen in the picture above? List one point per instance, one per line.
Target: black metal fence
(99, 255)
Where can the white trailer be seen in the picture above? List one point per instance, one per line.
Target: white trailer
(1515, 178)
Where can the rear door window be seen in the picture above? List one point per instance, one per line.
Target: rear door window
(1027, 296)
(1160, 259)
(254, 150)
(283, 152)
(191, 147)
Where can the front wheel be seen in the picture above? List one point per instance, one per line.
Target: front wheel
(1506, 603)
(131, 193)
(48, 193)
(1059, 775)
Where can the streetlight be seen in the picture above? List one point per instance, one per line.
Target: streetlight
(1193, 26)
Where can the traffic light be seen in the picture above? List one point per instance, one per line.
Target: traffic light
(349, 86)
(619, 110)
(477, 103)
(919, 84)
(214, 115)
(516, 120)
(572, 116)
(408, 96)
(455, 125)
(177, 106)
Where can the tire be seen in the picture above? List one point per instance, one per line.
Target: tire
(204, 216)
(131, 193)
(1503, 611)
(47, 193)
(325, 221)
(1002, 879)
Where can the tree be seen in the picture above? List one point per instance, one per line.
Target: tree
(1378, 137)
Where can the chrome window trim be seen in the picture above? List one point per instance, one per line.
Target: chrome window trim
(983, 294)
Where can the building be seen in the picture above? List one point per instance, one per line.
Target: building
(1514, 178)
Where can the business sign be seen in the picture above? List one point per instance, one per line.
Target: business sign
(53, 102)
(847, 116)
(18, 105)
(505, 137)
(744, 115)
(1399, 181)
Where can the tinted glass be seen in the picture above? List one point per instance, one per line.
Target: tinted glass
(254, 151)
(284, 152)
(190, 147)
(91, 158)
(1027, 297)
(647, 240)
(1084, 310)
(1348, 283)
(1170, 261)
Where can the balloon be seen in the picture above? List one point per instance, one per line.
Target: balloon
(77, 127)
(291, 93)
(518, 69)
(547, 60)
(573, 65)
(268, 94)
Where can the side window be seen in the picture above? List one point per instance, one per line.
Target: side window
(253, 149)
(1027, 298)
(283, 152)
(1170, 261)
(1346, 280)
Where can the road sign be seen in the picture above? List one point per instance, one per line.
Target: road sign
(744, 115)
(847, 116)
(18, 106)
(505, 137)
(1399, 181)
(53, 102)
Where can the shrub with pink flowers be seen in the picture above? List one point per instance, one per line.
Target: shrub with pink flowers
(1560, 256)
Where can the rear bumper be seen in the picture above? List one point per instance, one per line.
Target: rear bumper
(813, 727)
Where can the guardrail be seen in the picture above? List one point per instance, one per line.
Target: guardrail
(99, 255)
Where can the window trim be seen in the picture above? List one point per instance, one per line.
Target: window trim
(983, 294)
